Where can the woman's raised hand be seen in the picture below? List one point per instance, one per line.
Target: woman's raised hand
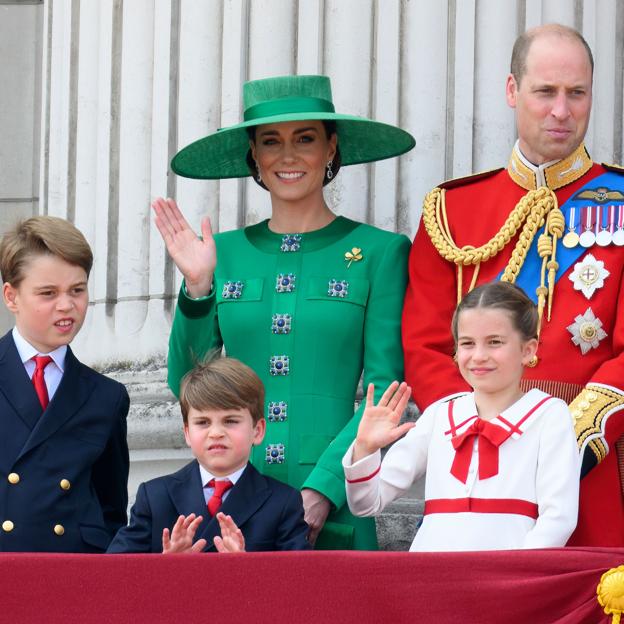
(195, 258)
(380, 423)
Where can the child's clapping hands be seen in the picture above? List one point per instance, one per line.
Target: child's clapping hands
(180, 538)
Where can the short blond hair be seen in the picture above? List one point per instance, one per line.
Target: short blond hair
(222, 383)
(39, 236)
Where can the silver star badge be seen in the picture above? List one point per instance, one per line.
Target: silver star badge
(589, 275)
(587, 331)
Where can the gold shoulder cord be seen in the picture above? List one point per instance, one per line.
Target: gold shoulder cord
(531, 212)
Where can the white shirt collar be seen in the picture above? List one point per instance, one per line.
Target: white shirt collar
(27, 351)
(206, 476)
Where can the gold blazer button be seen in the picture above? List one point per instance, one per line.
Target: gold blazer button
(7, 526)
(13, 478)
(65, 484)
(59, 529)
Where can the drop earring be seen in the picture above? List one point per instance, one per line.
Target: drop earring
(258, 175)
(330, 173)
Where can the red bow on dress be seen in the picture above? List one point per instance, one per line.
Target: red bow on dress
(489, 437)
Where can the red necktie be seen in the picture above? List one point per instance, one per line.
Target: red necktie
(490, 437)
(41, 361)
(220, 488)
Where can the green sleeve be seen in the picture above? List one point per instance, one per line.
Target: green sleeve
(194, 333)
(383, 361)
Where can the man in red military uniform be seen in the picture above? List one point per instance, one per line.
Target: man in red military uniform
(553, 223)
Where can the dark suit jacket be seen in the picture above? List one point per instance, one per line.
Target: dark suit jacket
(268, 512)
(80, 440)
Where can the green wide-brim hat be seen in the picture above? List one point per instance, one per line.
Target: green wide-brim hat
(288, 98)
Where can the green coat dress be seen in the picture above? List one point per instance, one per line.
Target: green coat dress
(308, 319)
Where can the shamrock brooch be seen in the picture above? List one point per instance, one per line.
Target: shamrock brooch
(355, 255)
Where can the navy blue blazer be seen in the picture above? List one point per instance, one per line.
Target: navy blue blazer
(267, 511)
(63, 472)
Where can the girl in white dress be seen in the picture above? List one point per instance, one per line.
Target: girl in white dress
(502, 466)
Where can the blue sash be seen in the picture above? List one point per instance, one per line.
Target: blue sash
(529, 277)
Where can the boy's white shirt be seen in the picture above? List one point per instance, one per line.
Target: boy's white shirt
(206, 477)
(53, 372)
(541, 466)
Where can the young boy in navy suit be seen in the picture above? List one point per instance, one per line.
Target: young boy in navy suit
(222, 405)
(63, 449)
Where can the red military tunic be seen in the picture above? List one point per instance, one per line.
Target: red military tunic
(592, 377)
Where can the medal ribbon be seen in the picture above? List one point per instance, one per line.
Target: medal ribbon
(572, 220)
(611, 218)
(529, 277)
(587, 213)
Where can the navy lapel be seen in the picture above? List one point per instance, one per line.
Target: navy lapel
(187, 491)
(70, 396)
(245, 498)
(20, 408)
(16, 385)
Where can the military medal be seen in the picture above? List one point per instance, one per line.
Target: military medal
(587, 237)
(618, 235)
(571, 239)
(587, 331)
(589, 275)
(604, 236)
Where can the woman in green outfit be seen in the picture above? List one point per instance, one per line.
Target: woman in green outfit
(308, 299)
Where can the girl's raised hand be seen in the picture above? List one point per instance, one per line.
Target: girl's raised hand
(196, 258)
(380, 426)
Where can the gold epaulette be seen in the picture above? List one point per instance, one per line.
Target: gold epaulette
(590, 410)
(615, 168)
(469, 179)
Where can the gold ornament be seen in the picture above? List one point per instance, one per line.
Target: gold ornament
(355, 255)
(533, 211)
(610, 592)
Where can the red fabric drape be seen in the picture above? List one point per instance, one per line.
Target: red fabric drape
(528, 587)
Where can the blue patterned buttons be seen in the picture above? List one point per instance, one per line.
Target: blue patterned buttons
(275, 454)
(281, 323)
(337, 288)
(232, 290)
(277, 411)
(291, 242)
(279, 365)
(285, 282)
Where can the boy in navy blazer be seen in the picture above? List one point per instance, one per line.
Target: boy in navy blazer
(219, 498)
(63, 448)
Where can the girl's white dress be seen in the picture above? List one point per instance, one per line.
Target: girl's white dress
(512, 482)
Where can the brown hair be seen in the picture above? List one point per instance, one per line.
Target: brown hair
(501, 296)
(40, 236)
(330, 129)
(524, 41)
(222, 383)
